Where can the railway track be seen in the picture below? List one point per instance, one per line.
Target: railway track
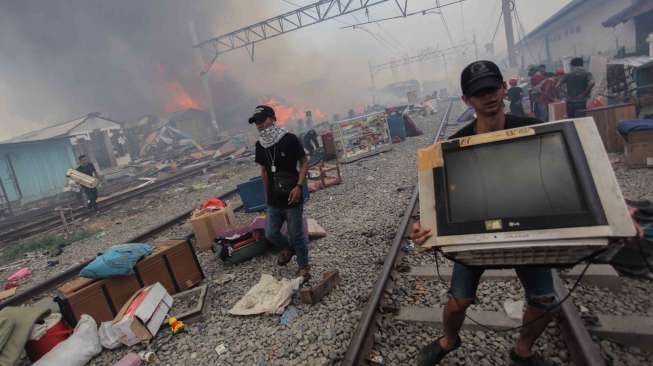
(582, 349)
(53, 221)
(143, 237)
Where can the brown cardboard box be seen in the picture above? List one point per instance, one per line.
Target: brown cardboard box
(639, 149)
(141, 317)
(206, 224)
(557, 111)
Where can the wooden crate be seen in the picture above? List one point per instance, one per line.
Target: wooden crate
(606, 119)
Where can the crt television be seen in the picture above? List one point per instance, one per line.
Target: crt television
(535, 195)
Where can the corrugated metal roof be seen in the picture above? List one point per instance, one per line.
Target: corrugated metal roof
(636, 61)
(77, 126)
(637, 8)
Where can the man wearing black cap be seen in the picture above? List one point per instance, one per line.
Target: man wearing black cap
(484, 90)
(279, 152)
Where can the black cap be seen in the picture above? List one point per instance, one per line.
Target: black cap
(577, 61)
(261, 113)
(480, 75)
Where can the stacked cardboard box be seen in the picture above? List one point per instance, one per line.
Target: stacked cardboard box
(639, 149)
(173, 263)
(207, 223)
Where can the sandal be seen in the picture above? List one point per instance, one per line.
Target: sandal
(432, 353)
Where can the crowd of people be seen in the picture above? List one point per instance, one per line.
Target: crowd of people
(574, 88)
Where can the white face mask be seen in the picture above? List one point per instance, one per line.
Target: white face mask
(271, 135)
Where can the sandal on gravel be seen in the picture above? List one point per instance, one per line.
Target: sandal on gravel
(532, 360)
(432, 353)
(285, 256)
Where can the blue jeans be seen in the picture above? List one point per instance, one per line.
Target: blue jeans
(537, 282)
(293, 216)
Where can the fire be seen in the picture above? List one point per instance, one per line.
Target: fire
(286, 113)
(176, 96)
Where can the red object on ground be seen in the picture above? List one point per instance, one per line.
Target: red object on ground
(9, 285)
(20, 274)
(596, 104)
(214, 202)
(55, 335)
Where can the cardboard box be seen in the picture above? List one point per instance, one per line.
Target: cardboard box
(557, 111)
(607, 118)
(206, 224)
(141, 317)
(639, 149)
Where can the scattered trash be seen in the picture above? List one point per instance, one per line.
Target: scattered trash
(289, 315)
(224, 278)
(55, 252)
(369, 178)
(100, 235)
(314, 294)
(130, 359)
(109, 338)
(147, 356)
(269, 296)
(514, 309)
(375, 358)
(8, 293)
(176, 326)
(20, 274)
(52, 263)
(221, 349)
(408, 246)
(583, 309)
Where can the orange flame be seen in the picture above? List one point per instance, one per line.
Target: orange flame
(177, 97)
(286, 113)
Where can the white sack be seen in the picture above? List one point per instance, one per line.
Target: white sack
(109, 338)
(78, 349)
(268, 296)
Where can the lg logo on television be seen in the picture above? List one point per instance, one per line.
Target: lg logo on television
(513, 224)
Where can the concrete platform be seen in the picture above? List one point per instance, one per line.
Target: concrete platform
(636, 331)
(599, 275)
(433, 316)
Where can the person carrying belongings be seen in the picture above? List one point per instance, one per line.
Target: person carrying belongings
(88, 168)
(579, 84)
(484, 90)
(279, 153)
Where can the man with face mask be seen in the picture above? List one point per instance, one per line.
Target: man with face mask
(279, 153)
(484, 90)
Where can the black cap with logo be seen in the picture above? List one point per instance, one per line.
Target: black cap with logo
(480, 75)
(261, 113)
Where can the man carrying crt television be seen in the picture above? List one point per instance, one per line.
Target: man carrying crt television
(484, 89)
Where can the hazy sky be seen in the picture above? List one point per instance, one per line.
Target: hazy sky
(60, 59)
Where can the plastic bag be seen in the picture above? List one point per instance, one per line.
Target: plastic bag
(118, 260)
(78, 349)
(108, 336)
(268, 296)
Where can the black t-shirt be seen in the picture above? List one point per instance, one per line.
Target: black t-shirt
(515, 94)
(577, 83)
(512, 121)
(88, 169)
(286, 155)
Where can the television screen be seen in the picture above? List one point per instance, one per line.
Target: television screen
(531, 177)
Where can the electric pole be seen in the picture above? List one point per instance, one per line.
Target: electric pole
(205, 80)
(510, 38)
(369, 63)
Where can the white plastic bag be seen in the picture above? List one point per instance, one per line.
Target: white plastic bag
(267, 296)
(78, 349)
(108, 336)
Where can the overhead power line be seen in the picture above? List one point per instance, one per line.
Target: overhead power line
(407, 14)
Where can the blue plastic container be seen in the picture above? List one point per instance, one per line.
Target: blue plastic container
(397, 126)
(252, 194)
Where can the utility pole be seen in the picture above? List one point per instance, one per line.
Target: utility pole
(369, 63)
(510, 37)
(205, 80)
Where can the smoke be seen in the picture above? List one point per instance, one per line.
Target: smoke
(123, 58)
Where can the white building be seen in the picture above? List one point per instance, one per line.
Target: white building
(589, 27)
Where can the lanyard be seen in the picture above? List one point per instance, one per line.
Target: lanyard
(272, 158)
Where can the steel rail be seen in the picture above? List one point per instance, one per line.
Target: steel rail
(52, 282)
(363, 337)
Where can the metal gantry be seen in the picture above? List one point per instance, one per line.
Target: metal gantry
(424, 55)
(302, 17)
